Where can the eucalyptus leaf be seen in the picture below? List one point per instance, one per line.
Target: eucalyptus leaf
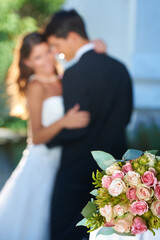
(89, 209)
(82, 222)
(94, 192)
(132, 154)
(154, 152)
(105, 231)
(158, 158)
(120, 160)
(103, 159)
(124, 234)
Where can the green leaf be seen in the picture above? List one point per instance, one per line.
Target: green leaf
(105, 231)
(132, 154)
(82, 222)
(152, 231)
(124, 234)
(154, 152)
(94, 192)
(158, 158)
(103, 159)
(89, 209)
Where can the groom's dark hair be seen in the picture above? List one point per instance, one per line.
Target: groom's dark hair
(64, 22)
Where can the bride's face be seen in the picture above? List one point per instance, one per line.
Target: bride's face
(41, 60)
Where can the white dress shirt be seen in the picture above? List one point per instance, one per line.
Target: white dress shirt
(81, 51)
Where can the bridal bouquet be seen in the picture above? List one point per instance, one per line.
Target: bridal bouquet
(126, 195)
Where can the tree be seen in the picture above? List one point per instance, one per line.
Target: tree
(19, 17)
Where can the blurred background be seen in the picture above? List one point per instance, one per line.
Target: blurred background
(131, 30)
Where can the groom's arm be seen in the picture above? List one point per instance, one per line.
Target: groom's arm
(74, 91)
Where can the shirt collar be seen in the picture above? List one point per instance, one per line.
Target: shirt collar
(81, 51)
(85, 48)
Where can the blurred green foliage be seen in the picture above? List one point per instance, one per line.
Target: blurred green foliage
(16, 124)
(18, 17)
(144, 137)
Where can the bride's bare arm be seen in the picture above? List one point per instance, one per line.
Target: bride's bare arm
(99, 46)
(73, 118)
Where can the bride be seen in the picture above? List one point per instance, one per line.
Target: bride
(25, 198)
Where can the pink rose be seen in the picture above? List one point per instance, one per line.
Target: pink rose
(106, 181)
(107, 212)
(109, 224)
(132, 178)
(131, 194)
(117, 174)
(116, 187)
(119, 210)
(151, 159)
(139, 225)
(149, 179)
(143, 192)
(155, 208)
(157, 191)
(124, 224)
(139, 207)
(152, 170)
(127, 167)
(112, 168)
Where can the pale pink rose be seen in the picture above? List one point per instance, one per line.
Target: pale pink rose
(116, 187)
(152, 170)
(157, 191)
(106, 181)
(155, 208)
(124, 224)
(131, 194)
(151, 159)
(143, 192)
(119, 210)
(149, 179)
(139, 207)
(139, 225)
(109, 224)
(127, 167)
(112, 168)
(107, 212)
(132, 178)
(117, 174)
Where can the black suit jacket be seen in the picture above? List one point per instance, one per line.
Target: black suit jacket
(102, 86)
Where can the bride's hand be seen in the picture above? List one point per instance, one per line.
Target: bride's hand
(75, 118)
(100, 46)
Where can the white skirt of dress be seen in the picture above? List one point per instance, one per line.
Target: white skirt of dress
(26, 197)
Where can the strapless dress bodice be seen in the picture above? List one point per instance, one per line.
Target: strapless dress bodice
(52, 110)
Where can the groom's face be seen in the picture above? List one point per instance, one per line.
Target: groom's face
(62, 45)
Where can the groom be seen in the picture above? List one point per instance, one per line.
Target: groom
(102, 86)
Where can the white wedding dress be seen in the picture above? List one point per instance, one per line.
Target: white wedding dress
(25, 199)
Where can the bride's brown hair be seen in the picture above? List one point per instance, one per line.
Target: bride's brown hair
(18, 74)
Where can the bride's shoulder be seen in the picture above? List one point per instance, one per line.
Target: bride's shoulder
(34, 86)
(35, 89)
